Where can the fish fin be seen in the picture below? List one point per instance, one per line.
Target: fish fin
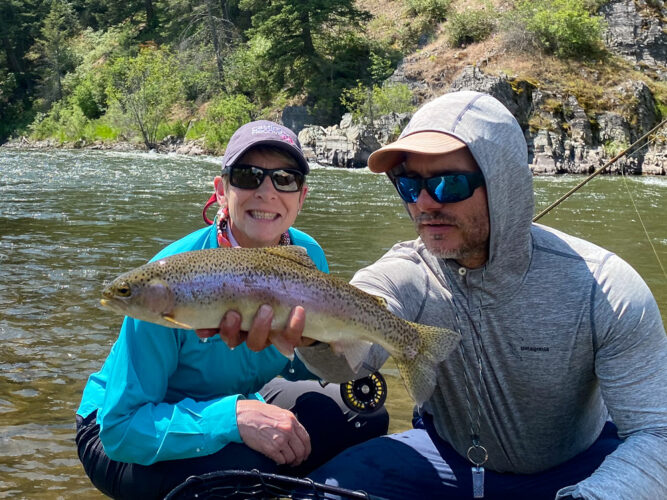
(354, 351)
(294, 253)
(380, 300)
(170, 319)
(419, 372)
(284, 348)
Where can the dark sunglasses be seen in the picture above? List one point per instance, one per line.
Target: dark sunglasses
(285, 180)
(445, 188)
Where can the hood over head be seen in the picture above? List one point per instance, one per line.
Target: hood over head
(481, 123)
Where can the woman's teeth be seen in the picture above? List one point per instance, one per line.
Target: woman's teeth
(256, 214)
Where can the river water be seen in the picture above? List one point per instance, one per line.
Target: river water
(71, 221)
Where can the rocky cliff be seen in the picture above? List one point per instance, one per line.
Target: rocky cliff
(562, 135)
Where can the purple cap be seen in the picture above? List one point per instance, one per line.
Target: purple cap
(264, 132)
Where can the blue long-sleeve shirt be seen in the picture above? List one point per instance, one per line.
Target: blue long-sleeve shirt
(164, 394)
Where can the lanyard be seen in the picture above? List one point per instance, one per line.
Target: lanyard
(476, 454)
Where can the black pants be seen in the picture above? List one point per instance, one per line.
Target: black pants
(332, 427)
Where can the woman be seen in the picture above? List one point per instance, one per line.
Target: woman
(168, 404)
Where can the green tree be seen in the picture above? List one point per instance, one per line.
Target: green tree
(20, 22)
(298, 32)
(146, 87)
(52, 49)
(101, 14)
(207, 27)
(246, 73)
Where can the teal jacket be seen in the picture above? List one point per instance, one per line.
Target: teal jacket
(164, 394)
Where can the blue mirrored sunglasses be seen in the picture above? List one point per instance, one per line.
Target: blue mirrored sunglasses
(445, 188)
(286, 180)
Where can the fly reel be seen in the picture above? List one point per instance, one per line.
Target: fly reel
(366, 394)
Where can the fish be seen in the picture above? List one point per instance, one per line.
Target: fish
(192, 290)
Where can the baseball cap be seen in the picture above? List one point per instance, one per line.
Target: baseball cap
(423, 142)
(264, 132)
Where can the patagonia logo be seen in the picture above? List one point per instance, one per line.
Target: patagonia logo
(534, 349)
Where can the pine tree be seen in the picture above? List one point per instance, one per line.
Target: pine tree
(299, 32)
(52, 50)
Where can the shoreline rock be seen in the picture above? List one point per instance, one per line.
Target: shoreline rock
(169, 145)
(561, 139)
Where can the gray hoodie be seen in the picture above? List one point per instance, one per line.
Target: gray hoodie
(568, 334)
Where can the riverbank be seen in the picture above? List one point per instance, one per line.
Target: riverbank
(338, 148)
(168, 145)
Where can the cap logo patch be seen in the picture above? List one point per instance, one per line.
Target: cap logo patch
(272, 130)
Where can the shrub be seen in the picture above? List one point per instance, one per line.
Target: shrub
(177, 129)
(103, 131)
(613, 147)
(224, 115)
(368, 103)
(469, 26)
(64, 122)
(433, 10)
(196, 130)
(90, 96)
(564, 28)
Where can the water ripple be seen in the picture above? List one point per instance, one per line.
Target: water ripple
(70, 221)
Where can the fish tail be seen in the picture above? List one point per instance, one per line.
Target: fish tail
(419, 372)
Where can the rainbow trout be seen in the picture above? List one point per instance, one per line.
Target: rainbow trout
(192, 290)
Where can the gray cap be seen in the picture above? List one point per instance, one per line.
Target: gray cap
(264, 132)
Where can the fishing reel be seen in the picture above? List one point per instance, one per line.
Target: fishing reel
(365, 395)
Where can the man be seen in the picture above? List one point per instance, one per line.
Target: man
(560, 338)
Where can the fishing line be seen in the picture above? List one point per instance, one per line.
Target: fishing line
(648, 237)
(596, 173)
(602, 169)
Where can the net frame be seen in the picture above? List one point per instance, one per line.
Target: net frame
(243, 484)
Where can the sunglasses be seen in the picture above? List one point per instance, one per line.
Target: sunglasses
(285, 180)
(445, 188)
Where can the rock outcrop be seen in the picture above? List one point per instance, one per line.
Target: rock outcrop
(560, 140)
(562, 137)
(348, 144)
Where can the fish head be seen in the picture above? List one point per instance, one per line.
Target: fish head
(145, 298)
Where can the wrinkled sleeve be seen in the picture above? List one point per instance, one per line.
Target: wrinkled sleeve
(631, 366)
(136, 425)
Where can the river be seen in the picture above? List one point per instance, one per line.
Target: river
(72, 220)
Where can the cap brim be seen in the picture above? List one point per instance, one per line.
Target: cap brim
(425, 142)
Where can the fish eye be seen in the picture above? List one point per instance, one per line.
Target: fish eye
(123, 289)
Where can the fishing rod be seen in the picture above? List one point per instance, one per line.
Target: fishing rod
(597, 172)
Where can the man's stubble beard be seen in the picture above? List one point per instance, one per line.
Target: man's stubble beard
(474, 237)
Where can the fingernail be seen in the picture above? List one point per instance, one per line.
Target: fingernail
(264, 312)
(228, 321)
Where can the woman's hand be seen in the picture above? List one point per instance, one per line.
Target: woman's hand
(229, 330)
(260, 335)
(272, 431)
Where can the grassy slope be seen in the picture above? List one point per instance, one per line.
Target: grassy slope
(438, 64)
